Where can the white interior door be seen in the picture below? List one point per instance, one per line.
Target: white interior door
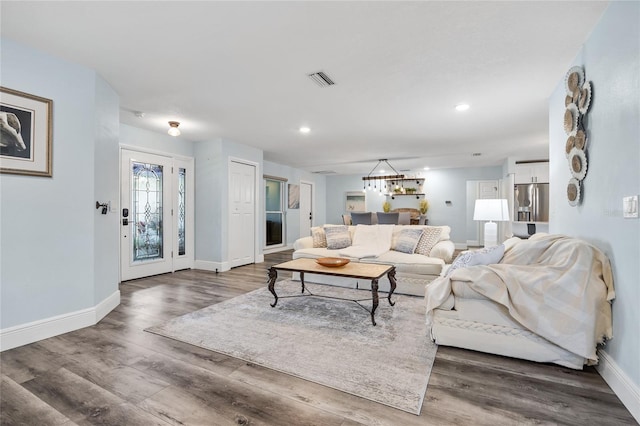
(146, 240)
(306, 209)
(242, 213)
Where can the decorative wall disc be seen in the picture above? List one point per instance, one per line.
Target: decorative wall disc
(571, 143)
(573, 192)
(585, 98)
(568, 100)
(578, 163)
(571, 115)
(573, 80)
(576, 101)
(580, 140)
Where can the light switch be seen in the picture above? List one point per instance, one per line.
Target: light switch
(630, 206)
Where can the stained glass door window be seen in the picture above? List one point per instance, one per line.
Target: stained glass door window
(182, 210)
(147, 211)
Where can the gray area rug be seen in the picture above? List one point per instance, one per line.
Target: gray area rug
(330, 342)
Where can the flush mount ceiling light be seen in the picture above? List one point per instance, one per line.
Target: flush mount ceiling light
(173, 129)
(425, 168)
(462, 107)
(304, 129)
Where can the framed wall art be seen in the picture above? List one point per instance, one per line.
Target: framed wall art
(356, 201)
(294, 196)
(26, 133)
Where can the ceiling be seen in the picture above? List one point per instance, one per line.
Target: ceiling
(238, 71)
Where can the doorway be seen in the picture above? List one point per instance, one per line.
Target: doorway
(156, 216)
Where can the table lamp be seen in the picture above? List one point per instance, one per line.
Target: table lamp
(491, 210)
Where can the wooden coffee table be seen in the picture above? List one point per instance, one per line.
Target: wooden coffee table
(366, 271)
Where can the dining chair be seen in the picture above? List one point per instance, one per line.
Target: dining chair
(388, 218)
(361, 218)
(404, 218)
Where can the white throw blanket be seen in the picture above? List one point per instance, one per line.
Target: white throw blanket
(369, 241)
(556, 286)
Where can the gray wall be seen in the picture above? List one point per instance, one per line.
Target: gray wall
(612, 63)
(162, 142)
(440, 186)
(59, 254)
(209, 164)
(105, 168)
(212, 195)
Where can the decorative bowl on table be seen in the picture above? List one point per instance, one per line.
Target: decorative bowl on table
(332, 262)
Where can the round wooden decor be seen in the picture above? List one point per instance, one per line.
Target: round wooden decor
(576, 164)
(580, 140)
(573, 192)
(573, 81)
(571, 143)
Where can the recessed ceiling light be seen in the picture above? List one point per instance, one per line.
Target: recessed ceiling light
(462, 107)
(304, 129)
(425, 168)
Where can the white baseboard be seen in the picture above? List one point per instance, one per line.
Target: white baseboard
(260, 258)
(620, 383)
(460, 246)
(206, 265)
(278, 249)
(24, 334)
(107, 305)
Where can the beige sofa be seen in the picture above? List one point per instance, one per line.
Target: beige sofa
(413, 271)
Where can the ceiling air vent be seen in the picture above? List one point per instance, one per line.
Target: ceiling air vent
(321, 79)
(325, 172)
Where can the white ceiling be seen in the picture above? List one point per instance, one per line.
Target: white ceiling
(238, 71)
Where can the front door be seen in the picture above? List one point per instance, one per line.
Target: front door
(145, 217)
(156, 214)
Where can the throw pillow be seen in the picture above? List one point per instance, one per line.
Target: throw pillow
(486, 256)
(429, 238)
(319, 237)
(407, 240)
(337, 237)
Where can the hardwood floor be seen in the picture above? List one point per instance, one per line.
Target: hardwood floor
(114, 373)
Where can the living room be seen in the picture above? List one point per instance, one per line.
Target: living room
(60, 255)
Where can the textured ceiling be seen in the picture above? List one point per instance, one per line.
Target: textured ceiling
(238, 71)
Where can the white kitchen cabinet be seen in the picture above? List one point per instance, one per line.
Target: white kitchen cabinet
(532, 172)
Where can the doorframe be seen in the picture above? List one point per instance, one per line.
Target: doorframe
(171, 156)
(283, 186)
(313, 205)
(258, 256)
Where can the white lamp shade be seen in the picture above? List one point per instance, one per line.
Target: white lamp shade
(491, 209)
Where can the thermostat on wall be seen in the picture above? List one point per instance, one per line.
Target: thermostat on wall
(630, 206)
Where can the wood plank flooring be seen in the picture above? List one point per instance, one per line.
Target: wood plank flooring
(114, 373)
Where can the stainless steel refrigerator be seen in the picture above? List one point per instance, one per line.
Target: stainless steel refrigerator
(531, 202)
